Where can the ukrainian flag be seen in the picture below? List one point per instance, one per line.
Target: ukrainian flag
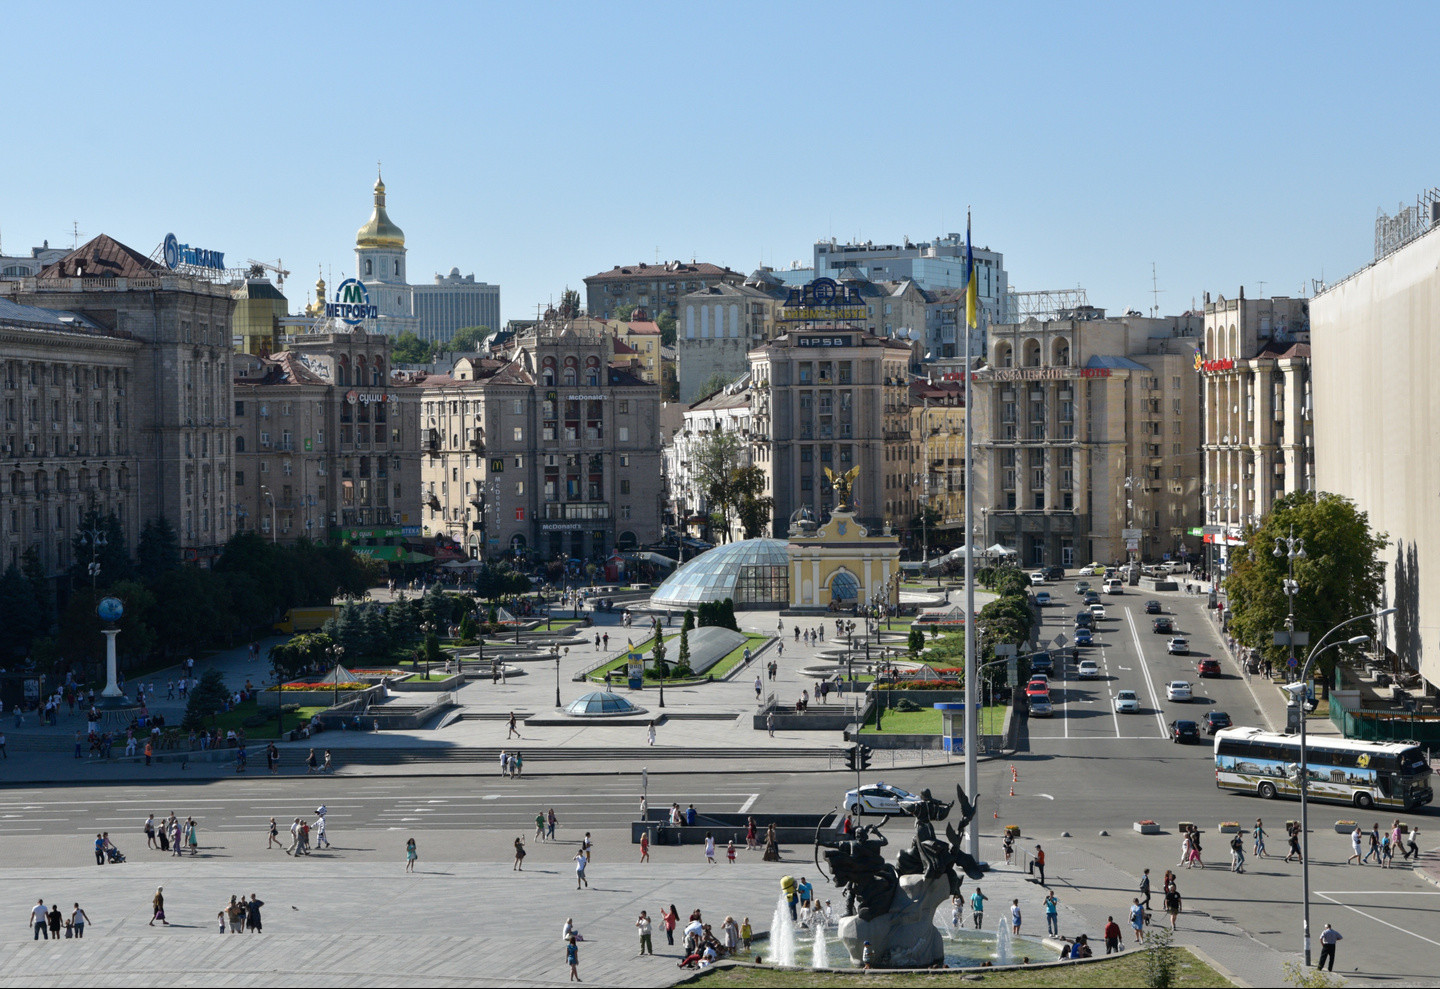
(972, 290)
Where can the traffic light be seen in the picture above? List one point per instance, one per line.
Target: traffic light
(862, 755)
(851, 756)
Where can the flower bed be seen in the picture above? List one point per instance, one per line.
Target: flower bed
(916, 685)
(1146, 827)
(1229, 827)
(316, 685)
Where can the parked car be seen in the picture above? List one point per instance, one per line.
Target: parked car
(1152, 607)
(1178, 646)
(1208, 668)
(1184, 731)
(1163, 625)
(1084, 637)
(1054, 573)
(1088, 669)
(1126, 702)
(876, 798)
(1178, 690)
(1215, 720)
(1042, 598)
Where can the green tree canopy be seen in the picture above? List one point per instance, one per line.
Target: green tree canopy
(468, 338)
(666, 322)
(158, 550)
(623, 312)
(410, 349)
(1339, 577)
(713, 462)
(206, 699)
(711, 385)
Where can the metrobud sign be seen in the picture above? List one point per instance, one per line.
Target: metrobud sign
(352, 303)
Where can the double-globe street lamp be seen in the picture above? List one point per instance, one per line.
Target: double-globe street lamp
(1299, 690)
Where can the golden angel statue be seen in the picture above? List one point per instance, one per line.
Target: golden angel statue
(841, 483)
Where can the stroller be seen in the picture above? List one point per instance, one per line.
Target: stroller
(113, 855)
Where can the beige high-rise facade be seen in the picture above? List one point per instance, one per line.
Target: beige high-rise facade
(1259, 434)
(158, 362)
(837, 398)
(1087, 437)
(548, 451)
(327, 443)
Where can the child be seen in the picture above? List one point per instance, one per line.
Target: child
(730, 851)
(220, 919)
(746, 933)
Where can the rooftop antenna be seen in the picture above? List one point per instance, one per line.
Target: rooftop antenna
(1154, 291)
(75, 229)
(1262, 288)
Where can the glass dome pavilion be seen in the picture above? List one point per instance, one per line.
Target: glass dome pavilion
(752, 573)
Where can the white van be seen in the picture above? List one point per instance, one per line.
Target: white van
(1114, 586)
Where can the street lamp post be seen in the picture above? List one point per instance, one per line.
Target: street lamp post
(97, 540)
(265, 490)
(1292, 548)
(1298, 691)
(335, 651)
(428, 628)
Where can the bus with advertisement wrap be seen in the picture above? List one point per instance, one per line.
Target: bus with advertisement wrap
(1341, 770)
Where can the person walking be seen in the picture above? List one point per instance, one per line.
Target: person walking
(1258, 849)
(150, 841)
(1195, 846)
(1374, 849)
(273, 839)
(581, 861)
(977, 907)
(55, 919)
(1052, 914)
(1145, 888)
(1173, 904)
(1112, 936)
(1294, 852)
(519, 855)
(645, 846)
(319, 828)
(1137, 919)
(1037, 864)
(643, 926)
(410, 855)
(759, 687)
(272, 759)
(572, 958)
(650, 733)
(1412, 850)
(1014, 916)
(157, 907)
(1237, 853)
(1328, 937)
(78, 920)
(39, 920)
(710, 847)
(550, 821)
(1354, 847)
(540, 826)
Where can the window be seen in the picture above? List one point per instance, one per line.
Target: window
(519, 515)
(239, 478)
(625, 485)
(519, 433)
(624, 408)
(518, 406)
(625, 434)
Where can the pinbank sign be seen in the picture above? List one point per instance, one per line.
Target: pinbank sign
(352, 303)
(177, 254)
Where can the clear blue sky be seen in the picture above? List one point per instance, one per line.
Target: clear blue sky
(534, 144)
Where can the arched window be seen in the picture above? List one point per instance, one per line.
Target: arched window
(397, 267)
(570, 376)
(369, 267)
(342, 372)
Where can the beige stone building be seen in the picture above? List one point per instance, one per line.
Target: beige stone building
(327, 443)
(655, 287)
(1259, 435)
(937, 457)
(546, 451)
(153, 348)
(1086, 429)
(1376, 341)
(838, 398)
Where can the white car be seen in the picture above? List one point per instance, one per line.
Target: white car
(876, 798)
(1088, 669)
(1126, 702)
(1097, 611)
(1038, 577)
(1177, 690)
(1178, 646)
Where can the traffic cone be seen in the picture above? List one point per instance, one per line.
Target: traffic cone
(1014, 775)
(1012, 791)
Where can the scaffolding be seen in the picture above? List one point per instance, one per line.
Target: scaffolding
(1045, 304)
(1409, 222)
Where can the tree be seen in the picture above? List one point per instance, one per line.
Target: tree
(916, 641)
(1340, 575)
(711, 385)
(682, 658)
(669, 381)
(666, 322)
(304, 652)
(925, 521)
(754, 508)
(410, 349)
(206, 699)
(113, 558)
(158, 550)
(659, 651)
(21, 611)
(569, 306)
(714, 461)
(467, 339)
(623, 312)
(34, 572)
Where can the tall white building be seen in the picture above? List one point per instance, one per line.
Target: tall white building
(455, 301)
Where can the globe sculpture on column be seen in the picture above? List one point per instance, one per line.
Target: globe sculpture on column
(893, 905)
(110, 610)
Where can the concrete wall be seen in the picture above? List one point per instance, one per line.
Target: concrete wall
(1375, 339)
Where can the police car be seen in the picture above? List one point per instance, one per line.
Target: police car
(876, 798)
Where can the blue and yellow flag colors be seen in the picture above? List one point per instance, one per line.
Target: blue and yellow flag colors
(972, 289)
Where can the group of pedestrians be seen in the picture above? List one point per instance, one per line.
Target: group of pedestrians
(512, 764)
(48, 923)
(241, 914)
(170, 835)
(1383, 844)
(301, 833)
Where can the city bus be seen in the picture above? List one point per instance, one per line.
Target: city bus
(1341, 770)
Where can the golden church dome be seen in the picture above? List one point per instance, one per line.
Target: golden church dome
(379, 231)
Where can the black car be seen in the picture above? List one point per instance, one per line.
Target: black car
(1152, 607)
(1184, 731)
(1216, 720)
(1054, 573)
(1092, 597)
(1041, 662)
(1163, 625)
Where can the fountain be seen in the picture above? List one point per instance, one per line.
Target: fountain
(1003, 954)
(820, 954)
(782, 934)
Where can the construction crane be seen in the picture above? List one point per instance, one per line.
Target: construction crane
(256, 267)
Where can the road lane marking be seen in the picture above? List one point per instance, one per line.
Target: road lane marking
(1149, 682)
(745, 807)
(1377, 920)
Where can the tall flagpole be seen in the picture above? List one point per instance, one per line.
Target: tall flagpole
(972, 686)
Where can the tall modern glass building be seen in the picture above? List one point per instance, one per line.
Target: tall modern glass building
(454, 302)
